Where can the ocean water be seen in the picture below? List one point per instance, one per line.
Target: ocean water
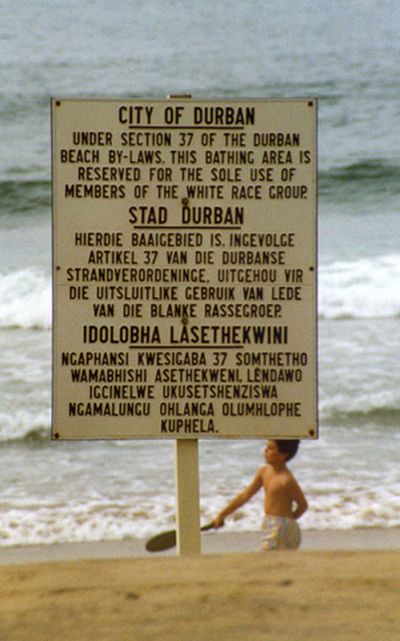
(343, 53)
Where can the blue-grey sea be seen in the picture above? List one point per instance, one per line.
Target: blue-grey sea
(346, 54)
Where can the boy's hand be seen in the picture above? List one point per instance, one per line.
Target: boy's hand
(218, 522)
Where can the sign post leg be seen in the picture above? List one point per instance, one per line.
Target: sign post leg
(187, 496)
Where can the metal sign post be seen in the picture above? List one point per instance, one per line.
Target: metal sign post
(187, 497)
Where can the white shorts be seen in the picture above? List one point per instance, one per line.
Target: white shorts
(280, 533)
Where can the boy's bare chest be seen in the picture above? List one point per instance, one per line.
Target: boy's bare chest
(275, 483)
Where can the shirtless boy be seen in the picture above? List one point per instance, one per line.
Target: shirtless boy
(284, 500)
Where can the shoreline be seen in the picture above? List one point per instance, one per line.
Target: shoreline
(362, 539)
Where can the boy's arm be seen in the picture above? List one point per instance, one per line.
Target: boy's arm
(240, 499)
(299, 498)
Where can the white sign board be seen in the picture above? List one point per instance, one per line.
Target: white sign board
(184, 268)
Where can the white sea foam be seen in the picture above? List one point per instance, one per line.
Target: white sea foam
(24, 423)
(380, 405)
(46, 523)
(365, 288)
(25, 299)
(25, 523)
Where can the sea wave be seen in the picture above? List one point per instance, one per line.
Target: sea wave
(365, 288)
(370, 177)
(24, 425)
(25, 300)
(365, 177)
(24, 196)
(333, 414)
(60, 522)
(29, 426)
(64, 520)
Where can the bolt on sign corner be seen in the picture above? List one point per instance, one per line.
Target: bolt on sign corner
(184, 243)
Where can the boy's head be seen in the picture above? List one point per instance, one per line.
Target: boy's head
(288, 447)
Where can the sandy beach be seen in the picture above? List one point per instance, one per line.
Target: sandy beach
(339, 586)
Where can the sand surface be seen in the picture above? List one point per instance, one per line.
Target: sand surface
(298, 596)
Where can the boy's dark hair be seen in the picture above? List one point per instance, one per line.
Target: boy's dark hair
(288, 447)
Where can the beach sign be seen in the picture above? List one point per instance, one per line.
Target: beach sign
(184, 268)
